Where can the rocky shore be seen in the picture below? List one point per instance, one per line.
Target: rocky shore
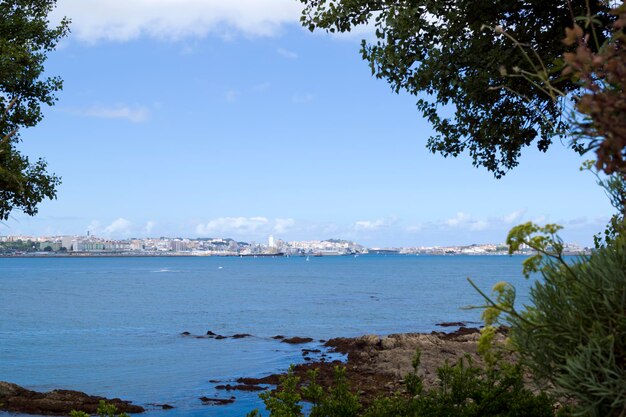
(377, 365)
(58, 402)
(374, 365)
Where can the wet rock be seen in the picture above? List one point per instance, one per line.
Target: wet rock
(185, 334)
(451, 324)
(210, 333)
(297, 340)
(278, 337)
(163, 406)
(14, 398)
(462, 331)
(217, 401)
(241, 335)
(241, 387)
(220, 337)
(268, 380)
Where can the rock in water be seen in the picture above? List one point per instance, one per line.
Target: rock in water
(297, 340)
(217, 401)
(58, 402)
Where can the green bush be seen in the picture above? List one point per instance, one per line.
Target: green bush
(104, 410)
(284, 402)
(337, 401)
(465, 390)
(574, 334)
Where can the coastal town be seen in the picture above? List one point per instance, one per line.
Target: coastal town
(90, 245)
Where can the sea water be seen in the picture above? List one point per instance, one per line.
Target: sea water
(112, 326)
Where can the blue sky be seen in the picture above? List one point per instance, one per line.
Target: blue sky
(205, 118)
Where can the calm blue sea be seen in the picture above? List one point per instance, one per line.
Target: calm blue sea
(111, 326)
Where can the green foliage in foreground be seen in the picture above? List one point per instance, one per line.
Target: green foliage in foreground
(464, 390)
(26, 38)
(573, 335)
(439, 52)
(104, 410)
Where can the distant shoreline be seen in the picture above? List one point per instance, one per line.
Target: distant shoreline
(186, 255)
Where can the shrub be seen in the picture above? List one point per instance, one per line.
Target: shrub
(284, 402)
(465, 390)
(573, 335)
(104, 410)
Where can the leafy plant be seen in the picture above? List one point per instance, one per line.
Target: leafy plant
(26, 37)
(464, 390)
(284, 402)
(336, 401)
(104, 410)
(600, 70)
(412, 381)
(437, 51)
(573, 335)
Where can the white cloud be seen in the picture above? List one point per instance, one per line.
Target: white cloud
(285, 53)
(466, 221)
(149, 226)
(94, 227)
(513, 217)
(122, 20)
(237, 225)
(458, 220)
(374, 224)
(119, 226)
(132, 114)
(282, 225)
(478, 225)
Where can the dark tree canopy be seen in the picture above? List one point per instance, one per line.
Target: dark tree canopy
(25, 39)
(440, 51)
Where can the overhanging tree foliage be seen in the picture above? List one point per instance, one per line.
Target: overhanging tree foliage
(438, 51)
(25, 39)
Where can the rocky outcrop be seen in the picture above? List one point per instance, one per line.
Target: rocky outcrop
(297, 340)
(59, 402)
(212, 335)
(240, 387)
(377, 365)
(217, 401)
(451, 324)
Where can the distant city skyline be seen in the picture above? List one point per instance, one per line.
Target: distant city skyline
(90, 245)
(235, 121)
